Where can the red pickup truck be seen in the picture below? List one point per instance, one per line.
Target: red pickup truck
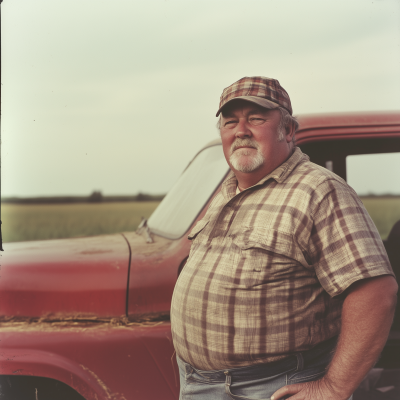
(88, 318)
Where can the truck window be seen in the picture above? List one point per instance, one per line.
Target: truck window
(376, 179)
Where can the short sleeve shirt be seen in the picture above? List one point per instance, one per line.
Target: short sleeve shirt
(267, 266)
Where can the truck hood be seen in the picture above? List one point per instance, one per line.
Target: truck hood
(63, 278)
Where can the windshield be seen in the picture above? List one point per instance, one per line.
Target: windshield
(191, 192)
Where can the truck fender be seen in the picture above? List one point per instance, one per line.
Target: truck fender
(50, 365)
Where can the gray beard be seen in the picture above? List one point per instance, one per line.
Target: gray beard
(242, 160)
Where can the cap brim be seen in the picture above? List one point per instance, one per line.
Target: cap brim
(253, 99)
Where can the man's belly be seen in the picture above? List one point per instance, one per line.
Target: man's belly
(230, 312)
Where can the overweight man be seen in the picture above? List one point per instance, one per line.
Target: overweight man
(287, 291)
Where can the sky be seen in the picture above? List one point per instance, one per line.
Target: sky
(119, 96)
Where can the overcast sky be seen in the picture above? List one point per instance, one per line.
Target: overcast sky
(119, 96)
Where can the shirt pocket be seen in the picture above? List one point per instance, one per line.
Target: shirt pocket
(200, 225)
(262, 255)
(197, 236)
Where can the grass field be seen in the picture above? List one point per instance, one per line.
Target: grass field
(385, 211)
(50, 221)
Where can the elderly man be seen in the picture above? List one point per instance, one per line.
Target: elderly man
(287, 291)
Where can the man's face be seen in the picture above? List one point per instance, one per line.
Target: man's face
(250, 137)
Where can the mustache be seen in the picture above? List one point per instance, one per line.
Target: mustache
(247, 142)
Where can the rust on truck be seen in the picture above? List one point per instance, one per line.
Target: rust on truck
(80, 322)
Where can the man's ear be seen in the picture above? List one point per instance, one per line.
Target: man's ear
(290, 130)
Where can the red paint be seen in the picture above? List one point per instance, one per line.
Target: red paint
(321, 127)
(152, 278)
(68, 276)
(99, 363)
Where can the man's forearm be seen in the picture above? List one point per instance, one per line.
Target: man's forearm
(366, 319)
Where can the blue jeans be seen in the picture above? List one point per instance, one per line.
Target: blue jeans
(256, 382)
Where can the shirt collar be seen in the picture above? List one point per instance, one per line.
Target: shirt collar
(279, 174)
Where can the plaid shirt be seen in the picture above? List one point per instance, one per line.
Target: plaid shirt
(266, 267)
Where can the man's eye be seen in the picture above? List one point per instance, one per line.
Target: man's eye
(257, 121)
(230, 122)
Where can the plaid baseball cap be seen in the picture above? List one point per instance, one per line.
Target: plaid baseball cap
(266, 92)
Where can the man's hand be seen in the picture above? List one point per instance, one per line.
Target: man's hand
(320, 389)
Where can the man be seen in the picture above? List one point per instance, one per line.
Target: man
(285, 260)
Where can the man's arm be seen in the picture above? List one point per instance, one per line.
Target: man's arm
(366, 319)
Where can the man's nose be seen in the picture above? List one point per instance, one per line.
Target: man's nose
(242, 129)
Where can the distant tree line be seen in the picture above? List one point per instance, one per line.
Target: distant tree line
(95, 197)
(385, 195)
